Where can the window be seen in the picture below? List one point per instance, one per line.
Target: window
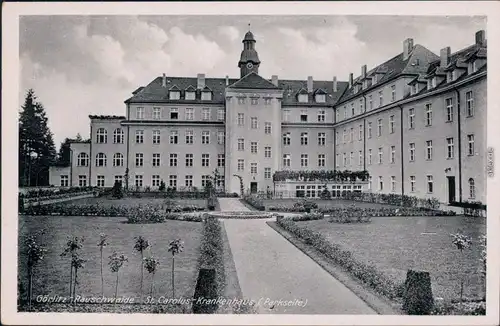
(156, 159)
(241, 164)
(190, 96)
(369, 130)
(174, 137)
(370, 102)
(344, 159)
(321, 160)
(155, 180)
(380, 155)
(64, 180)
(189, 137)
(469, 104)
(360, 134)
(286, 115)
(412, 183)
(221, 137)
(102, 136)
(391, 124)
(254, 101)
(253, 122)
(174, 113)
(118, 159)
(156, 113)
(267, 173)
(83, 159)
(205, 160)
(118, 136)
(321, 138)
(204, 180)
(449, 76)
(345, 112)
(370, 156)
(380, 98)
(139, 113)
(82, 181)
(337, 115)
(470, 145)
(320, 98)
(351, 158)
(253, 168)
(267, 128)
(221, 160)
(379, 127)
(380, 183)
(172, 181)
(139, 159)
(411, 118)
(361, 108)
(241, 144)
(304, 138)
(353, 110)
(428, 115)
(189, 113)
(352, 135)
(321, 115)
(286, 139)
(267, 152)
(253, 147)
(430, 184)
(267, 101)
(156, 136)
(360, 158)
(450, 148)
(393, 93)
(174, 95)
(393, 183)
(205, 114)
(138, 180)
(139, 136)
(412, 152)
(241, 100)
(393, 154)
(241, 119)
(118, 178)
(189, 160)
(205, 137)
(287, 162)
(303, 116)
(337, 139)
(100, 181)
(345, 136)
(449, 109)
(428, 151)
(221, 114)
(337, 160)
(173, 159)
(188, 181)
(100, 159)
(414, 89)
(206, 96)
(370, 183)
(304, 160)
(303, 98)
(472, 189)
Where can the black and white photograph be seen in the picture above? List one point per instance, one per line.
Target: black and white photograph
(182, 165)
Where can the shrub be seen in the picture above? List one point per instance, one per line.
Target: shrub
(308, 217)
(211, 203)
(418, 299)
(162, 186)
(117, 191)
(255, 202)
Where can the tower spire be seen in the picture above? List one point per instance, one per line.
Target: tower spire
(249, 59)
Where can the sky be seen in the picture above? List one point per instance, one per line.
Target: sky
(81, 65)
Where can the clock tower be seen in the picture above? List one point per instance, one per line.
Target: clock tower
(249, 60)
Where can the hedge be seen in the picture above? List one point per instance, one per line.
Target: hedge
(254, 202)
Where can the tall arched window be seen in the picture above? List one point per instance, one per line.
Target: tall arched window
(83, 159)
(118, 159)
(472, 188)
(100, 159)
(118, 136)
(102, 136)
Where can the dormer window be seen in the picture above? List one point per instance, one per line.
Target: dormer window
(365, 83)
(455, 75)
(433, 82)
(320, 98)
(174, 95)
(206, 96)
(374, 79)
(449, 77)
(414, 89)
(190, 95)
(303, 98)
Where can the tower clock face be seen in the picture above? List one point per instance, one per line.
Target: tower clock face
(249, 65)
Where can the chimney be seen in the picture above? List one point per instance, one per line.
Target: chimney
(445, 56)
(274, 80)
(334, 84)
(363, 71)
(480, 37)
(164, 81)
(407, 48)
(227, 80)
(350, 79)
(201, 81)
(309, 84)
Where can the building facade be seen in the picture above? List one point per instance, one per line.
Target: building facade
(416, 123)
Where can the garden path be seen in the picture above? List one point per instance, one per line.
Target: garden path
(270, 268)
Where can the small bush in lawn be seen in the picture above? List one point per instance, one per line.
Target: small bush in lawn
(117, 191)
(418, 299)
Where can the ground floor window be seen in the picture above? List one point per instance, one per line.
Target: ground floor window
(100, 181)
(118, 178)
(138, 181)
(172, 181)
(204, 180)
(430, 184)
(472, 188)
(300, 191)
(155, 180)
(64, 181)
(82, 180)
(188, 181)
(311, 191)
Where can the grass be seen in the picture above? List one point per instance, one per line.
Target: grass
(396, 244)
(131, 201)
(322, 203)
(53, 273)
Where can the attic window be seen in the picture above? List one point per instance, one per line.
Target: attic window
(206, 96)
(303, 116)
(433, 82)
(303, 98)
(320, 98)
(449, 77)
(365, 83)
(174, 95)
(374, 79)
(190, 96)
(414, 89)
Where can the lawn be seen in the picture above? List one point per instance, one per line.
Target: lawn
(322, 203)
(131, 201)
(395, 244)
(53, 273)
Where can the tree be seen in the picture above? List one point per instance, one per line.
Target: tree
(64, 155)
(73, 245)
(462, 242)
(175, 247)
(35, 253)
(36, 144)
(117, 191)
(151, 265)
(101, 244)
(141, 244)
(115, 263)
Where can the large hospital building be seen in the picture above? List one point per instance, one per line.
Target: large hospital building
(416, 123)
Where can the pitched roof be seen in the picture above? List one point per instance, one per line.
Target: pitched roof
(292, 87)
(253, 81)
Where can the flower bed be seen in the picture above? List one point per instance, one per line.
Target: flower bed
(368, 274)
(240, 215)
(301, 206)
(394, 199)
(49, 193)
(471, 308)
(55, 196)
(254, 202)
(307, 217)
(321, 175)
